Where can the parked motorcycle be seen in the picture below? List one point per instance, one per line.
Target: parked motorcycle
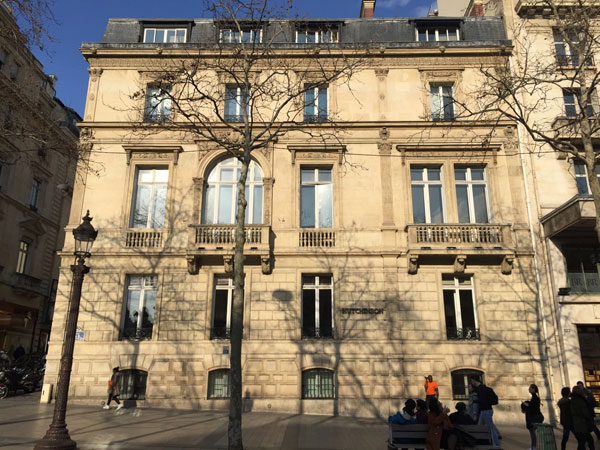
(10, 382)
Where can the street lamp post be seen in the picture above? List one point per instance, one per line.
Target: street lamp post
(57, 437)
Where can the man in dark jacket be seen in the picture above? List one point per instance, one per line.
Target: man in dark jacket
(486, 398)
(592, 403)
(582, 419)
(566, 418)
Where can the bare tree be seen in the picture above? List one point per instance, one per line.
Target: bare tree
(242, 92)
(33, 17)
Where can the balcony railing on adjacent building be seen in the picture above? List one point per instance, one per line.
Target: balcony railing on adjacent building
(462, 334)
(476, 235)
(317, 238)
(144, 239)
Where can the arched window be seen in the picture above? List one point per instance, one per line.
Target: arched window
(460, 382)
(219, 384)
(132, 384)
(220, 197)
(317, 384)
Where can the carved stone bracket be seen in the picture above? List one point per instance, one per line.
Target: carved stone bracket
(506, 266)
(265, 263)
(460, 263)
(228, 263)
(413, 264)
(384, 134)
(193, 265)
(381, 74)
(385, 148)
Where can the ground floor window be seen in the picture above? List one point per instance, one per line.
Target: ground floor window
(460, 382)
(219, 384)
(132, 384)
(317, 306)
(317, 384)
(459, 308)
(140, 306)
(223, 299)
(583, 269)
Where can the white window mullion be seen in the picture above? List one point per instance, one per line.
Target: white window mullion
(471, 200)
(457, 310)
(229, 304)
(140, 308)
(317, 319)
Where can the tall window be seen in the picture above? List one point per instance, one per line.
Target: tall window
(471, 194)
(460, 382)
(220, 198)
(235, 100)
(150, 198)
(235, 36)
(316, 36)
(425, 34)
(219, 384)
(316, 198)
(23, 257)
(581, 178)
(158, 104)
(459, 308)
(165, 35)
(583, 265)
(317, 384)
(571, 98)
(34, 194)
(315, 104)
(223, 299)
(442, 102)
(132, 384)
(317, 306)
(427, 199)
(140, 307)
(565, 54)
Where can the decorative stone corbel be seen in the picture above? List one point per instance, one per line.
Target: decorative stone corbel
(228, 263)
(193, 264)
(460, 262)
(507, 265)
(413, 264)
(265, 263)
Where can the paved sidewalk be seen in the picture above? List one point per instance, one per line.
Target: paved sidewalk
(23, 421)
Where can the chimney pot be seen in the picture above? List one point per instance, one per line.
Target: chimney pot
(367, 9)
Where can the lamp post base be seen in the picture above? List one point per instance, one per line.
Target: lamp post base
(56, 438)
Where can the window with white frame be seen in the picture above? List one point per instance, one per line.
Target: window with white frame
(317, 36)
(158, 104)
(566, 55)
(460, 382)
(581, 177)
(220, 196)
(34, 194)
(442, 33)
(459, 308)
(236, 100)
(315, 104)
(316, 197)
(472, 194)
(149, 197)
(572, 100)
(442, 102)
(427, 195)
(23, 257)
(219, 384)
(221, 317)
(237, 36)
(140, 307)
(165, 35)
(317, 384)
(317, 306)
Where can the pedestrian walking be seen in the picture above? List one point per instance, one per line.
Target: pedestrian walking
(533, 414)
(566, 418)
(113, 389)
(486, 399)
(592, 403)
(583, 421)
(431, 389)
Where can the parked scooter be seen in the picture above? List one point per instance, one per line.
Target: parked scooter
(10, 382)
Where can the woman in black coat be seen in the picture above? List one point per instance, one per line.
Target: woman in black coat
(532, 412)
(583, 421)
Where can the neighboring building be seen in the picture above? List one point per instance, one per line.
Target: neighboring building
(402, 251)
(37, 171)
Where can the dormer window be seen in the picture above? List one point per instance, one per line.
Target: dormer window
(237, 36)
(165, 35)
(317, 35)
(441, 33)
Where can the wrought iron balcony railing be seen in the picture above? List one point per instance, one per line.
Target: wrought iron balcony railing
(462, 334)
(220, 333)
(317, 333)
(316, 118)
(136, 334)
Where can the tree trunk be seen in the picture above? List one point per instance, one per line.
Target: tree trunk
(592, 174)
(234, 431)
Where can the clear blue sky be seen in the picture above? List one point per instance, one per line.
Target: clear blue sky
(85, 21)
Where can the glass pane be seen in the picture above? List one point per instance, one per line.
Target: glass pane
(226, 174)
(310, 37)
(180, 36)
(443, 36)
(453, 34)
(145, 175)
(418, 203)
(220, 312)
(257, 205)
(171, 36)
(434, 173)
(301, 37)
(230, 101)
(435, 204)
(148, 313)
(307, 206)
(141, 208)
(480, 204)
(159, 36)
(325, 199)
(308, 312)
(570, 110)
(161, 175)
(209, 205)
(462, 200)
(324, 174)
(325, 280)
(149, 36)
(436, 104)
(422, 35)
(582, 187)
(322, 102)
(132, 309)
(460, 173)
(325, 318)
(136, 280)
(416, 174)
(448, 106)
(158, 207)
(460, 388)
(257, 171)
(477, 173)
(225, 204)
(307, 175)
(449, 310)
(467, 310)
(308, 279)
(309, 102)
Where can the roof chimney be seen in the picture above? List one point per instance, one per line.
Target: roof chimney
(477, 9)
(367, 9)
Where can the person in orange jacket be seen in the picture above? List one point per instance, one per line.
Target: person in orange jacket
(431, 389)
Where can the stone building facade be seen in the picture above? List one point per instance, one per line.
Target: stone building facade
(398, 250)
(37, 172)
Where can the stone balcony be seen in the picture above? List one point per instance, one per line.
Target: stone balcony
(534, 8)
(576, 218)
(479, 243)
(26, 285)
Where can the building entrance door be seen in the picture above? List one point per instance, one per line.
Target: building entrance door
(589, 343)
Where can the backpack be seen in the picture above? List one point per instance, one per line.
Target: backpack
(493, 396)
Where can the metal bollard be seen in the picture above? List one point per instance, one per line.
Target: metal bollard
(545, 436)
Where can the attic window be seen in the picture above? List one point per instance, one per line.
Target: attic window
(165, 35)
(441, 33)
(317, 35)
(233, 35)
